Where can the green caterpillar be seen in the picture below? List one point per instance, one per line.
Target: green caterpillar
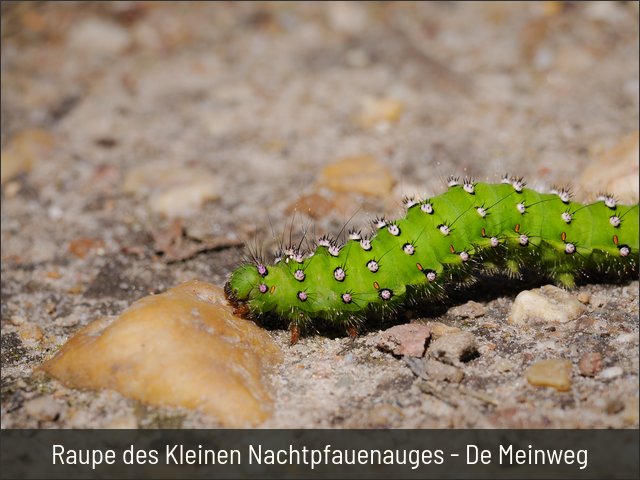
(471, 228)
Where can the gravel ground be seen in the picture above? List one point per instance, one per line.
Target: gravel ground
(246, 104)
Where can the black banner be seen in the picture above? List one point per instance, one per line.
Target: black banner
(383, 454)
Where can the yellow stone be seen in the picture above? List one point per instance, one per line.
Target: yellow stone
(24, 151)
(180, 348)
(30, 333)
(554, 373)
(379, 111)
(360, 174)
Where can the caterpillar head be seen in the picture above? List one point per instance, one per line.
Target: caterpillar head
(243, 281)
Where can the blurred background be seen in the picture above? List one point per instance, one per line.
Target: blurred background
(245, 104)
(144, 142)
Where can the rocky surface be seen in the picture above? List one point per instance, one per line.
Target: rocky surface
(252, 106)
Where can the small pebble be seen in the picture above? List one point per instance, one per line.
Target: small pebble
(599, 299)
(486, 348)
(614, 406)
(24, 151)
(30, 333)
(361, 174)
(377, 112)
(441, 371)
(626, 338)
(314, 205)
(11, 189)
(503, 365)
(55, 212)
(18, 320)
(585, 323)
(96, 36)
(409, 339)
(383, 416)
(554, 373)
(185, 199)
(470, 309)
(68, 320)
(584, 297)
(547, 304)
(43, 408)
(173, 190)
(630, 414)
(611, 372)
(454, 348)
(125, 422)
(83, 246)
(439, 329)
(590, 364)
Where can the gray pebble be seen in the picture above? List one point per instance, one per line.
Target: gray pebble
(611, 372)
(547, 304)
(435, 370)
(405, 340)
(454, 348)
(470, 309)
(43, 408)
(430, 369)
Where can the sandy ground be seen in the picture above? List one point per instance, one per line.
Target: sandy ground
(258, 99)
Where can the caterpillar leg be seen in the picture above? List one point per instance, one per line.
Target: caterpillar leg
(352, 330)
(242, 311)
(565, 279)
(295, 334)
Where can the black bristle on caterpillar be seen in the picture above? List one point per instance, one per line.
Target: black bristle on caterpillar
(473, 228)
